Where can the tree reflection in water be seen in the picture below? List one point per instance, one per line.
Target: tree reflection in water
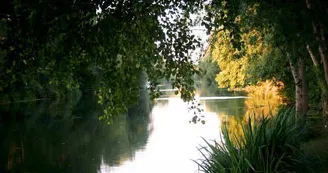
(264, 100)
(66, 136)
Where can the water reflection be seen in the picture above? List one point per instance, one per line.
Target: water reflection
(263, 100)
(66, 136)
(172, 144)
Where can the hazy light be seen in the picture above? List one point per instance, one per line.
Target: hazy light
(173, 143)
(210, 98)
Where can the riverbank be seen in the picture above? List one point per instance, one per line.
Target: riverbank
(31, 96)
(269, 144)
(3, 102)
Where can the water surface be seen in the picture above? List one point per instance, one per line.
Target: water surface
(66, 135)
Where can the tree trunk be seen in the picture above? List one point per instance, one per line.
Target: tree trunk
(320, 39)
(322, 51)
(318, 33)
(301, 95)
(321, 82)
(323, 55)
(313, 58)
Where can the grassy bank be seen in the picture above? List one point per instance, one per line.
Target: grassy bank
(267, 145)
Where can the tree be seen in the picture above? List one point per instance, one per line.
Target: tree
(290, 24)
(209, 69)
(98, 45)
(235, 64)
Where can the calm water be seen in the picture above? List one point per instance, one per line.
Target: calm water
(66, 136)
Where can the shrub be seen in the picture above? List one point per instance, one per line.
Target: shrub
(270, 145)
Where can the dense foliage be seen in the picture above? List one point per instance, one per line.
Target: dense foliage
(208, 70)
(255, 40)
(50, 48)
(283, 41)
(269, 145)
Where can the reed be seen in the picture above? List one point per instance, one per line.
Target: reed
(270, 145)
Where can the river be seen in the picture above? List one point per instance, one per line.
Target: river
(153, 137)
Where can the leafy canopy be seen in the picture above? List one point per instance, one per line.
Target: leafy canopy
(98, 45)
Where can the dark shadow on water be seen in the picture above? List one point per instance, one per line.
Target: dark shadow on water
(66, 136)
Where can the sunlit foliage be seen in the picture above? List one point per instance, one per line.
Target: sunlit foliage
(235, 64)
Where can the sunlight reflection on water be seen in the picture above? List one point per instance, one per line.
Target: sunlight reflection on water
(173, 142)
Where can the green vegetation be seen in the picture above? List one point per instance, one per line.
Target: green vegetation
(316, 152)
(283, 42)
(268, 145)
(50, 49)
(208, 71)
(112, 49)
(277, 40)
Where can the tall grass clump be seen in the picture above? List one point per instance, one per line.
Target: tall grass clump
(268, 145)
